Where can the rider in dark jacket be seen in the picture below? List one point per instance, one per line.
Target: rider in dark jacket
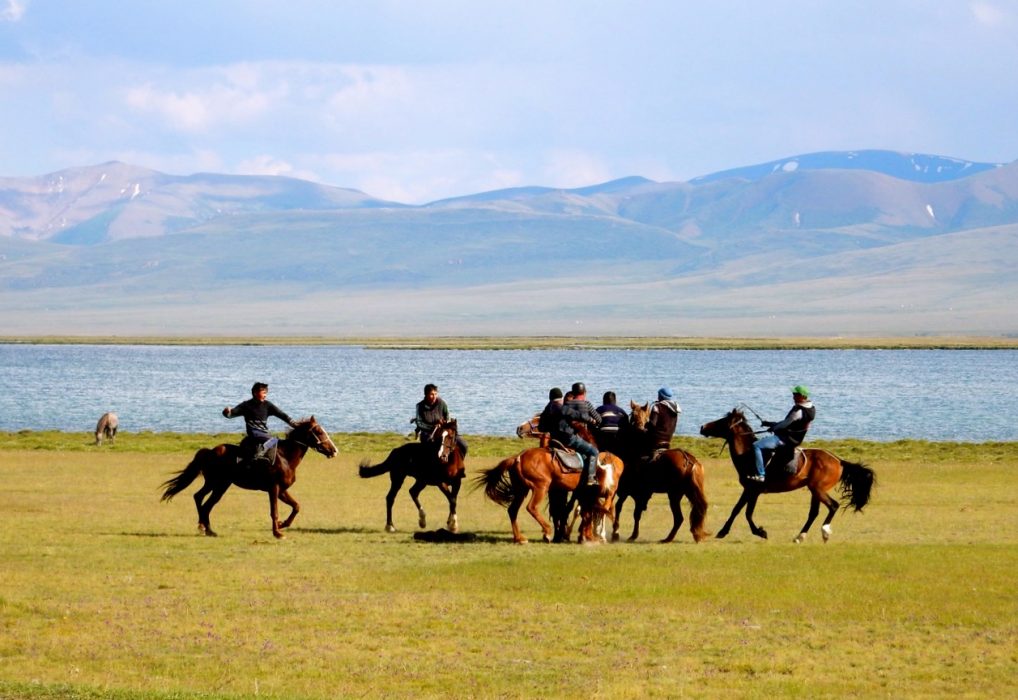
(789, 432)
(613, 421)
(256, 412)
(432, 411)
(580, 410)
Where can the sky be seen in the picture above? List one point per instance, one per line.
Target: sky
(418, 100)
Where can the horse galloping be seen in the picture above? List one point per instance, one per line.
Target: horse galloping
(106, 428)
(674, 472)
(537, 471)
(434, 463)
(817, 469)
(222, 468)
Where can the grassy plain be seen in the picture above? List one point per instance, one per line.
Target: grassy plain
(106, 592)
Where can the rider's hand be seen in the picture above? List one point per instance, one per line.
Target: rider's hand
(768, 424)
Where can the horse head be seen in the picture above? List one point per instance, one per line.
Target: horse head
(731, 427)
(529, 427)
(448, 453)
(639, 415)
(311, 433)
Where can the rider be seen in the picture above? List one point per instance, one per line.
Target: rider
(256, 412)
(789, 432)
(661, 423)
(548, 422)
(432, 411)
(613, 421)
(580, 410)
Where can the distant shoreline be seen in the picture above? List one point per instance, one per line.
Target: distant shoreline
(931, 342)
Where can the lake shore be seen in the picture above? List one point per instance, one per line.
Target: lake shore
(931, 342)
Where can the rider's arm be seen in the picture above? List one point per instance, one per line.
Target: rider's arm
(793, 415)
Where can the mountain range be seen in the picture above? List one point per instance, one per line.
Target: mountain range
(855, 243)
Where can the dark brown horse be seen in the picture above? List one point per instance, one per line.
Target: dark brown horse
(818, 470)
(674, 472)
(434, 463)
(220, 468)
(537, 471)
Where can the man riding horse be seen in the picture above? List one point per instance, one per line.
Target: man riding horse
(578, 409)
(788, 433)
(432, 412)
(256, 411)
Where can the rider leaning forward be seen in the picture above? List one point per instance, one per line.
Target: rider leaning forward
(577, 409)
(789, 432)
(256, 412)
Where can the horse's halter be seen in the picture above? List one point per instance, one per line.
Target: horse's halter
(319, 444)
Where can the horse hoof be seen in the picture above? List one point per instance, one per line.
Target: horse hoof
(279, 535)
(209, 532)
(826, 531)
(800, 538)
(422, 521)
(201, 529)
(522, 540)
(390, 528)
(547, 538)
(453, 525)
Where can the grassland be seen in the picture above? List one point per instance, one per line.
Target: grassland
(928, 342)
(106, 592)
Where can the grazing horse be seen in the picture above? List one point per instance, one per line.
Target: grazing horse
(106, 428)
(674, 472)
(536, 470)
(220, 467)
(437, 462)
(818, 470)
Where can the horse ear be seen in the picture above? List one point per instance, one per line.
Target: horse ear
(633, 404)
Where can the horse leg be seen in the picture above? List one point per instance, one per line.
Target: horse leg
(289, 500)
(514, 511)
(533, 507)
(743, 499)
(203, 518)
(832, 509)
(415, 491)
(396, 483)
(274, 511)
(451, 492)
(205, 510)
(618, 515)
(675, 501)
(750, 507)
(640, 502)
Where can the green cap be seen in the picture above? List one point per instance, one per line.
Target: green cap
(800, 390)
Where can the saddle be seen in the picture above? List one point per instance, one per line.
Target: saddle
(251, 452)
(784, 460)
(569, 460)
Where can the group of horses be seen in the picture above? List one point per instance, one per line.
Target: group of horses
(628, 471)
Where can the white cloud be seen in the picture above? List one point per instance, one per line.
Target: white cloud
(12, 11)
(569, 169)
(987, 13)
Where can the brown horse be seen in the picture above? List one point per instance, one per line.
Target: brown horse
(818, 470)
(219, 465)
(674, 472)
(536, 470)
(434, 463)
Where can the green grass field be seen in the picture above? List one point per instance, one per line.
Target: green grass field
(107, 592)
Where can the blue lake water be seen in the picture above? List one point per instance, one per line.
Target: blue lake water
(869, 394)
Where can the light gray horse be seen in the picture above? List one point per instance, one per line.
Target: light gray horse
(106, 428)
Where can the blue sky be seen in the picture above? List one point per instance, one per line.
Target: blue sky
(418, 100)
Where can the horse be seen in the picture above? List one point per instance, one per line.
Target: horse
(529, 428)
(675, 472)
(536, 470)
(221, 468)
(817, 469)
(438, 462)
(106, 428)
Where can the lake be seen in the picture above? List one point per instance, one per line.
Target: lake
(962, 395)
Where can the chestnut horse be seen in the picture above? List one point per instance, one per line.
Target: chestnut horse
(674, 472)
(818, 470)
(219, 465)
(434, 463)
(536, 470)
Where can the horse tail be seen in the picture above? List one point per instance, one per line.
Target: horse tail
(857, 482)
(186, 475)
(366, 470)
(697, 495)
(495, 481)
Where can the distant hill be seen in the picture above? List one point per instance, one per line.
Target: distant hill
(865, 242)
